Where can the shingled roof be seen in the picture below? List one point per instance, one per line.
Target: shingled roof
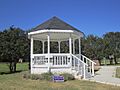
(54, 23)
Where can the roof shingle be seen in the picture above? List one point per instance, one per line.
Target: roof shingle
(54, 23)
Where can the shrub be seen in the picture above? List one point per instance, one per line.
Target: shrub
(27, 76)
(47, 76)
(44, 76)
(67, 76)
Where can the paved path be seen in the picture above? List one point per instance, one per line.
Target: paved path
(107, 75)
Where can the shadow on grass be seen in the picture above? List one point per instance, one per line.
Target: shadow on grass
(2, 73)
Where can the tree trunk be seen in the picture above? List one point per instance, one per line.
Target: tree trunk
(14, 66)
(111, 61)
(115, 60)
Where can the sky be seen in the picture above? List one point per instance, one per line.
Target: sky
(95, 17)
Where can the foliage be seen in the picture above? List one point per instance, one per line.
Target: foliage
(47, 76)
(14, 45)
(112, 45)
(67, 76)
(43, 76)
(118, 72)
(92, 47)
(98, 48)
(33, 76)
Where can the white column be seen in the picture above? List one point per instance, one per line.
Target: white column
(43, 46)
(79, 48)
(59, 45)
(93, 69)
(84, 73)
(48, 37)
(31, 53)
(79, 55)
(74, 51)
(73, 46)
(70, 50)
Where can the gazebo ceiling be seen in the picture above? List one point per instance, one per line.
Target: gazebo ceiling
(58, 30)
(54, 36)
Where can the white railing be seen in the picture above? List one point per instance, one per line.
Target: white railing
(89, 62)
(60, 59)
(56, 60)
(39, 59)
(79, 65)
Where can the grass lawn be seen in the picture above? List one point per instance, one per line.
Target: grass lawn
(107, 62)
(118, 72)
(16, 82)
(20, 67)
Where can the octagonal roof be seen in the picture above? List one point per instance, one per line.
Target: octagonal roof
(55, 23)
(57, 28)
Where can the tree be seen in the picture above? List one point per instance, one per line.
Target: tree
(92, 47)
(14, 45)
(112, 45)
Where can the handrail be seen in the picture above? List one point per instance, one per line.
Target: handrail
(79, 59)
(88, 59)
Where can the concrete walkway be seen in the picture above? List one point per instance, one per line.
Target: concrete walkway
(107, 75)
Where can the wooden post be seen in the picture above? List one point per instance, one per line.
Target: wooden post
(59, 45)
(79, 48)
(31, 53)
(74, 52)
(79, 54)
(48, 37)
(84, 76)
(43, 46)
(93, 69)
(70, 50)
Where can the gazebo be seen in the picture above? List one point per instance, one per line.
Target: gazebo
(56, 30)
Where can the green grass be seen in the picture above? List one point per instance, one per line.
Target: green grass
(118, 72)
(4, 68)
(107, 62)
(15, 81)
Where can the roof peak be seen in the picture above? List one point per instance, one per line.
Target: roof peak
(54, 23)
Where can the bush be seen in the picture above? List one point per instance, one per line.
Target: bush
(67, 76)
(44, 76)
(47, 76)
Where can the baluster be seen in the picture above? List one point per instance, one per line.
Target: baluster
(62, 60)
(74, 61)
(90, 68)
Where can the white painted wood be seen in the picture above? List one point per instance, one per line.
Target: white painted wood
(59, 45)
(84, 73)
(52, 30)
(93, 69)
(48, 37)
(79, 47)
(70, 50)
(43, 42)
(31, 52)
(73, 46)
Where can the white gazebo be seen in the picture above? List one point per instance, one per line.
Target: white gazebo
(56, 30)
